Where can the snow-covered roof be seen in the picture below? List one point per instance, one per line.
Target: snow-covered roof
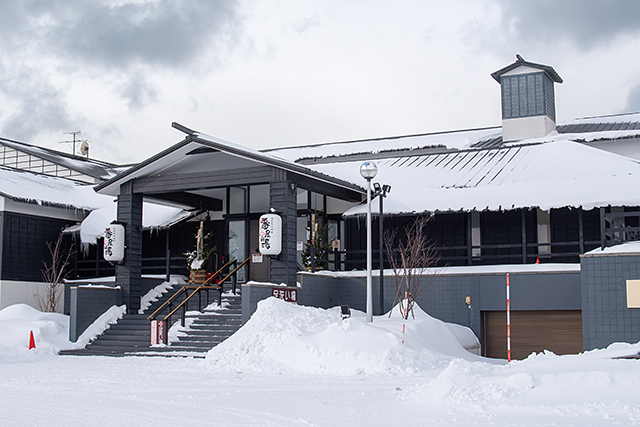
(389, 146)
(548, 175)
(41, 189)
(520, 62)
(91, 167)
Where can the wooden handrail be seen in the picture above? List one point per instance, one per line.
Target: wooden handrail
(219, 271)
(184, 288)
(219, 287)
(189, 297)
(234, 270)
(152, 316)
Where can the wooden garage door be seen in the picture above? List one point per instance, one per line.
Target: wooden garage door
(559, 331)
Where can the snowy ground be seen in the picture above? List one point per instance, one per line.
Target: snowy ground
(301, 366)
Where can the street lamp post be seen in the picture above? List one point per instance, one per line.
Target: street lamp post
(368, 170)
(381, 191)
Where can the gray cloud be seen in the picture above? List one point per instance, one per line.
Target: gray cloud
(163, 33)
(42, 106)
(633, 100)
(587, 24)
(139, 92)
(92, 38)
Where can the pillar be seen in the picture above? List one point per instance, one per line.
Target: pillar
(283, 269)
(129, 273)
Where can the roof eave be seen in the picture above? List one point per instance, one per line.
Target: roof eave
(546, 68)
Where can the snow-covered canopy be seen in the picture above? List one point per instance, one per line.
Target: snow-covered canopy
(547, 175)
(47, 190)
(153, 216)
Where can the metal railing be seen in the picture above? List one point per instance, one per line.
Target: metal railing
(615, 228)
(513, 253)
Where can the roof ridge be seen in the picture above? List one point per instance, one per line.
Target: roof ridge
(321, 144)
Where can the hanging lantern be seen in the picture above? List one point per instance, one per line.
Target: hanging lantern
(270, 239)
(113, 250)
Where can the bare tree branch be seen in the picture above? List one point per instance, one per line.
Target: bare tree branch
(410, 261)
(53, 274)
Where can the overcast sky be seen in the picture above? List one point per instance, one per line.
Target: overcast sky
(276, 73)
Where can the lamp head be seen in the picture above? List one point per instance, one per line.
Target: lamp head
(368, 170)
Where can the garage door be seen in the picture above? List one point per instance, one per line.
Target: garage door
(559, 331)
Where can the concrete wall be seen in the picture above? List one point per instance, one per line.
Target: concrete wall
(605, 316)
(88, 303)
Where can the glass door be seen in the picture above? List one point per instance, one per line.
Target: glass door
(238, 245)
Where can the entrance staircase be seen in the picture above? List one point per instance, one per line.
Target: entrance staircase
(203, 330)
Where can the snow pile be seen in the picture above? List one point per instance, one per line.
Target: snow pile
(584, 385)
(50, 331)
(282, 337)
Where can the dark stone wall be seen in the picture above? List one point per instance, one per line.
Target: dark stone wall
(605, 316)
(87, 304)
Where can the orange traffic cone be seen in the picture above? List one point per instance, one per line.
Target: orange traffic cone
(32, 342)
(538, 260)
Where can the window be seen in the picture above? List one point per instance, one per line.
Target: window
(259, 198)
(238, 200)
(302, 202)
(317, 201)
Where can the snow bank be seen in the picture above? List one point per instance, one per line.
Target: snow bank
(592, 381)
(50, 331)
(282, 337)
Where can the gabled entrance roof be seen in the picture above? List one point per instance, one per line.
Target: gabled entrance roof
(202, 162)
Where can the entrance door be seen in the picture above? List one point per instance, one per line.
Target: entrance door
(238, 245)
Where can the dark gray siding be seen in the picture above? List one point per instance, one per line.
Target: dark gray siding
(282, 269)
(24, 245)
(128, 274)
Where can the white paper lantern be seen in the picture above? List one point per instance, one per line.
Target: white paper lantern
(113, 250)
(270, 239)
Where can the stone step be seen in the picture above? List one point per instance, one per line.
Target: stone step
(131, 335)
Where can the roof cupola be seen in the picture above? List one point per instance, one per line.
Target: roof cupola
(528, 99)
